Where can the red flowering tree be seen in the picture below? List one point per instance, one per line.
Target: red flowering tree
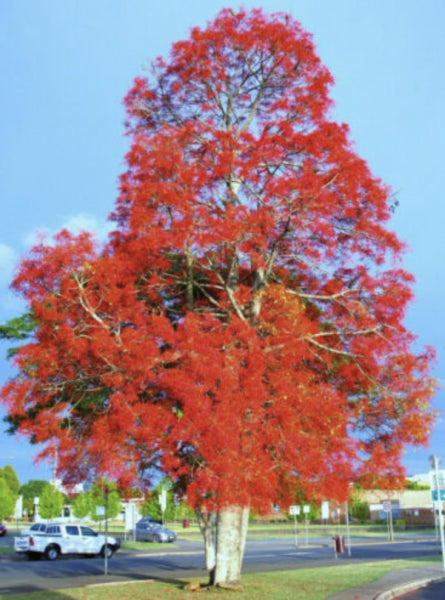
(243, 327)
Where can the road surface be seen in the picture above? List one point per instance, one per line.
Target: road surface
(433, 591)
(185, 560)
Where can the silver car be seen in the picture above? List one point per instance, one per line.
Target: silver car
(153, 532)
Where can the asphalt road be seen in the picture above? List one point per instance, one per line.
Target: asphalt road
(186, 560)
(433, 591)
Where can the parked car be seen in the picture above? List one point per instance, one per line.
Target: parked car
(36, 529)
(150, 531)
(65, 538)
(146, 520)
(3, 530)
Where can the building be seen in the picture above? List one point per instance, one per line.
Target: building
(413, 507)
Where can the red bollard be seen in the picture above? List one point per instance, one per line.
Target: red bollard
(339, 544)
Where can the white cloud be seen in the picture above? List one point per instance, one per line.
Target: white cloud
(9, 303)
(10, 257)
(8, 260)
(75, 224)
(85, 222)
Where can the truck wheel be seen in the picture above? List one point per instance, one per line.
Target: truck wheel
(52, 553)
(106, 550)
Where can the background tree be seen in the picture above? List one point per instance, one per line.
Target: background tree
(243, 328)
(152, 507)
(103, 493)
(183, 510)
(81, 505)
(29, 491)
(10, 476)
(7, 500)
(359, 509)
(51, 502)
(18, 328)
(416, 486)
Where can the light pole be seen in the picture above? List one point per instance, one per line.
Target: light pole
(106, 491)
(434, 461)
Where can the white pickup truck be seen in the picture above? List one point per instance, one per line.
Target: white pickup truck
(54, 539)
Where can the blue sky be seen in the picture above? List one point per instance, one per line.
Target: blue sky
(66, 65)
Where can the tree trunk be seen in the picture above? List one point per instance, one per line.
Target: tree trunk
(207, 523)
(230, 543)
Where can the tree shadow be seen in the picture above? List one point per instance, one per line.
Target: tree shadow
(39, 593)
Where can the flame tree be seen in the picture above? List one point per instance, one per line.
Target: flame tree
(243, 327)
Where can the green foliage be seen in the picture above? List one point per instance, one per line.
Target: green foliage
(81, 505)
(102, 494)
(152, 507)
(29, 491)
(51, 502)
(183, 511)
(312, 515)
(114, 504)
(18, 328)
(10, 476)
(7, 500)
(360, 511)
(358, 508)
(415, 486)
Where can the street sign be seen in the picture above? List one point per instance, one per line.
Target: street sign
(434, 495)
(325, 509)
(386, 506)
(163, 500)
(440, 477)
(18, 512)
(294, 510)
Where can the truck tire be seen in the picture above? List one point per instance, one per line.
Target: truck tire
(52, 552)
(108, 550)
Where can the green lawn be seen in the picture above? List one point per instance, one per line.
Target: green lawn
(299, 584)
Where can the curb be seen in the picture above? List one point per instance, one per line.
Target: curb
(407, 587)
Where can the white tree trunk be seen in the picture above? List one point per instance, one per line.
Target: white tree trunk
(230, 543)
(207, 523)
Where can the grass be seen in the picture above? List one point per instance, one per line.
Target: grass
(300, 584)
(286, 530)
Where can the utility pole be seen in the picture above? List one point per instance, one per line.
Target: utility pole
(434, 461)
(106, 492)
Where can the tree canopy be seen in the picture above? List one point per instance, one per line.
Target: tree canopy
(9, 474)
(9, 487)
(243, 328)
(51, 502)
(29, 491)
(7, 500)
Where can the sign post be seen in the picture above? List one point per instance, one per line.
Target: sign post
(325, 511)
(348, 531)
(295, 510)
(306, 510)
(387, 507)
(163, 503)
(36, 509)
(434, 461)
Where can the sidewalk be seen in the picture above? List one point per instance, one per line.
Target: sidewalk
(393, 584)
